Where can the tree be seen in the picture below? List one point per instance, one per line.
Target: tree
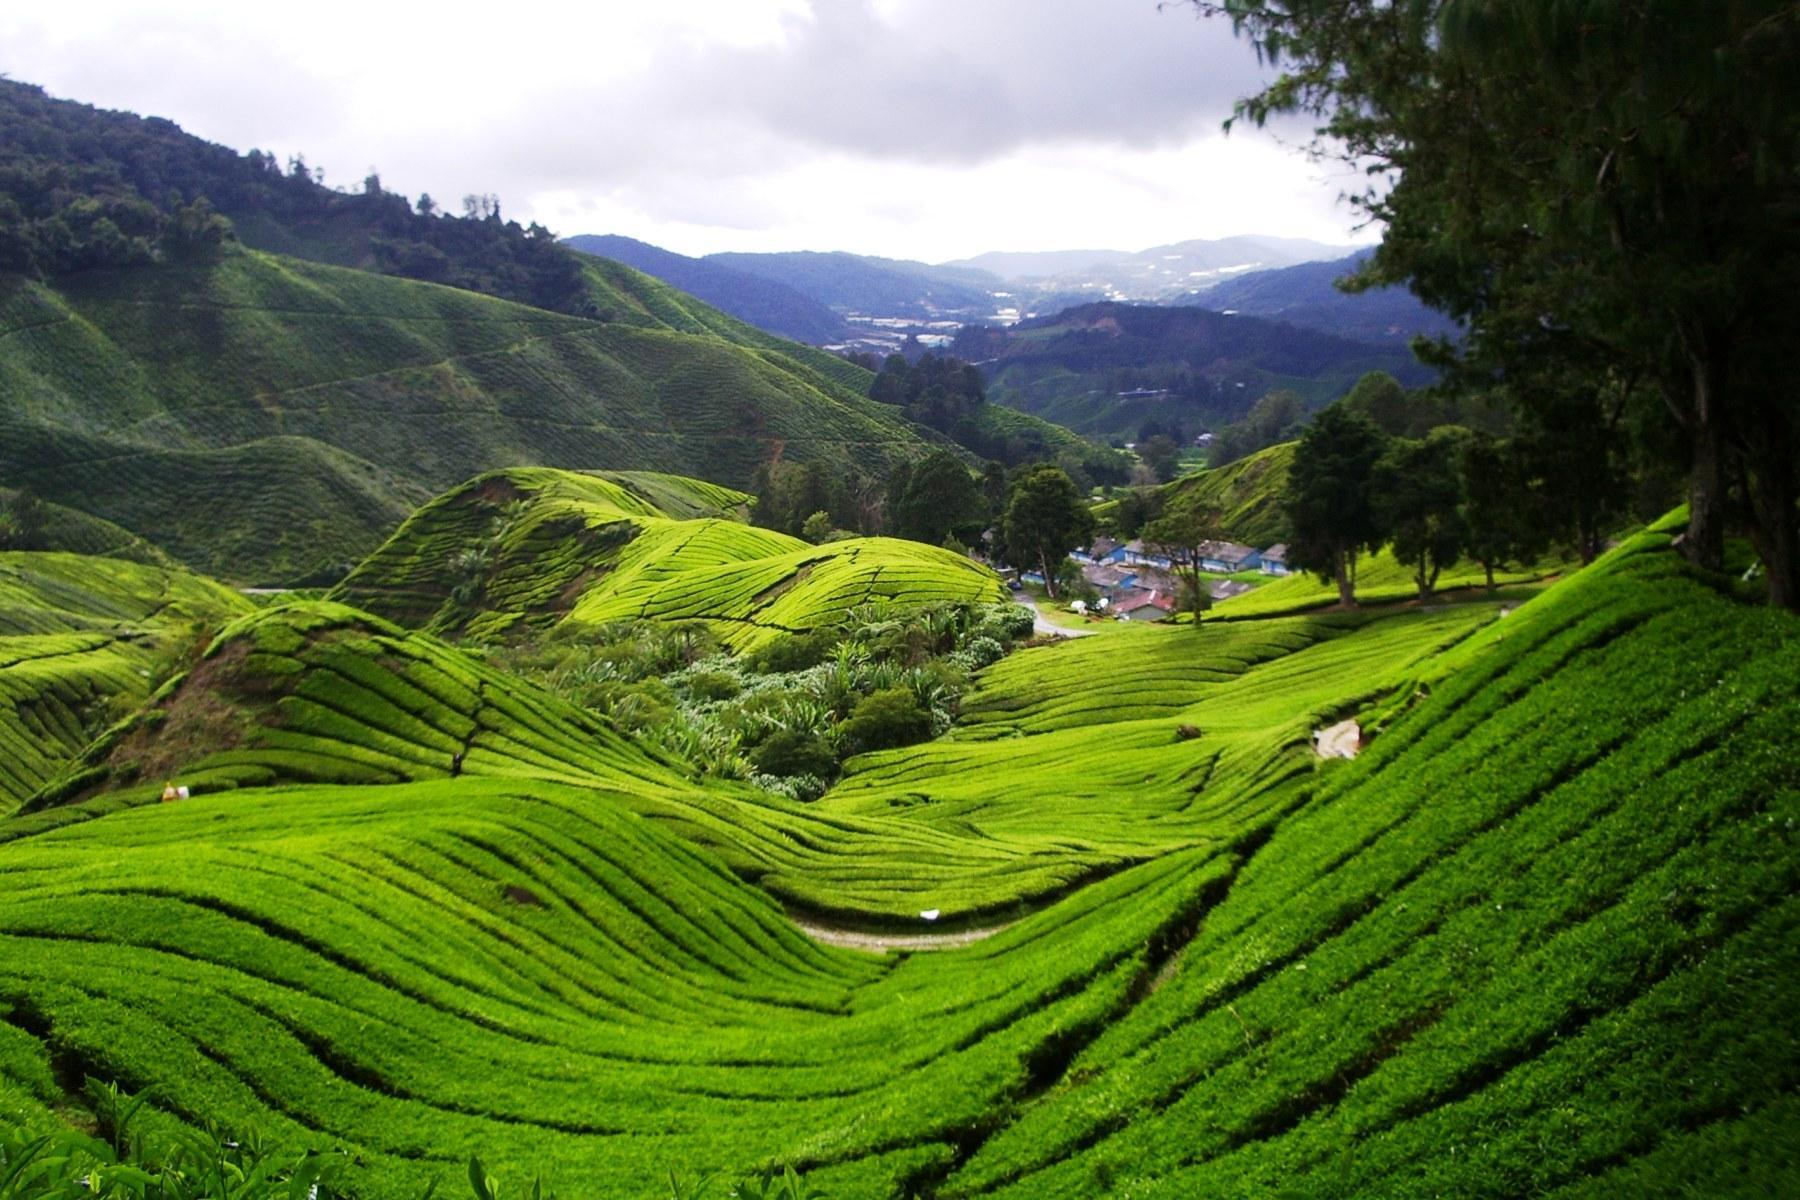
(22, 520)
(1497, 520)
(1418, 498)
(1381, 398)
(1275, 418)
(1162, 456)
(1045, 519)
(1330, 498)
(1181, 533)
(1615, 177)
(939, 499)
(816, 527)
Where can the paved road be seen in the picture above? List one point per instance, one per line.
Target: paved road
(1048, 628)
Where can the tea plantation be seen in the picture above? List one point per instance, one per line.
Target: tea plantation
(82, 641)
(271, 420)
(520, 549)
(1538, 938)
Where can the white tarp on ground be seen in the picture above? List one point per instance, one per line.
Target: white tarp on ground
(1342, 740)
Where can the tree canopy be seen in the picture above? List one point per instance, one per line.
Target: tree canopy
(1613, 185)
(1045, 519)
(1330, 497)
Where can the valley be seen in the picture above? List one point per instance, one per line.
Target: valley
(489, 713)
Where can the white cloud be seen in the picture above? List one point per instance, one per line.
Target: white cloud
(918, 128)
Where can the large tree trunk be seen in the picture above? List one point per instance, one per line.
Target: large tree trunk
(1773, 486)
(1049, 575)
(1489, 568)
(1705, 541)
(1345, 582)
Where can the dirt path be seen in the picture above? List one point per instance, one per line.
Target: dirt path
(881, 943)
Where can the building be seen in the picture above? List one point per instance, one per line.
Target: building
(1226, 558)
(1139, 555)
(1107, 578)
(1142, 605)
(1274, 559)
(1104, 550)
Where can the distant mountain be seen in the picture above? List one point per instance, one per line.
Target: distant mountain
(1306, 295)
(883, 287)
(753, 299)
(1108, 369)
(1043, 280)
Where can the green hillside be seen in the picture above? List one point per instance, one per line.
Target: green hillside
(439, 910)
(82, 643)
(521, 549)
(75, 532)
(1246, 493)
(270, 420)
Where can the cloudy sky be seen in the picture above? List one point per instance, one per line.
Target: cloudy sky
(928, 129)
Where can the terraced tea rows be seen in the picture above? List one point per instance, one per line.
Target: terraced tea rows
(1534, 940)
(528, 547)
(82, 641)
(412, 971)
(1538, 938)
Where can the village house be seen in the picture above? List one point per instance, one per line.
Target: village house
(1140, 555)
(1225, 558)
(1104, 550)
(1274, 559)
(1138, 605)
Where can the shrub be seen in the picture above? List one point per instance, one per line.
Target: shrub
(796, 652)
(979, 652)
(793, 752)
(888, 718)
(712, 685)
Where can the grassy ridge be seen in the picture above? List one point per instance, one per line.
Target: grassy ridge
(82, 641)
(526, 971)
(304, 409)
(1246, 493)
(1553, 932)
(1545, 931)
(528, 547)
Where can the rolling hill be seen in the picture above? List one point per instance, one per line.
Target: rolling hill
(1246, 494)
(272, 420)
(1107, 369)
(1554, 935)
(513, 552)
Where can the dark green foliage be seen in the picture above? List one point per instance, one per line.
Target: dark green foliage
(1161, 455)
(884, 720)
(1606, 189)
(1275, 418)
(1045, 519)
(792, 752)
(22, 521)
(1499, 511)
(1331, 499)
(91, 188)
(935, 500)
(1418, 499)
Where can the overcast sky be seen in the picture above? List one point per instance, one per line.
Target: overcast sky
(930, 129)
